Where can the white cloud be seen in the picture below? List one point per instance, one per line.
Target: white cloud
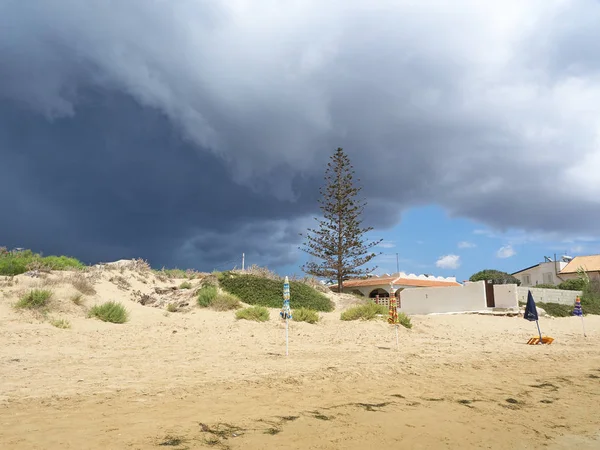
(465, 244)
(448, 262)
(386, 244)
(506, 252)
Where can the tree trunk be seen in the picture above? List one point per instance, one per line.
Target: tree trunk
(340, 284)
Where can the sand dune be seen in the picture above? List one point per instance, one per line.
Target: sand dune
(200, 379)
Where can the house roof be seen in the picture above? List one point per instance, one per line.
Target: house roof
(404, 281)
(589, 263)
(523, 270)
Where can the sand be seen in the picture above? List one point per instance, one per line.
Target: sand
(199, 379)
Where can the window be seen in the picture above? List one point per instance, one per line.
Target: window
(548, 278)
(526, 280)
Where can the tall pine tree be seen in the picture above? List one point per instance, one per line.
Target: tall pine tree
(339, 241)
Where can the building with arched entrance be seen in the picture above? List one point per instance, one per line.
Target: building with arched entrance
(381, 288)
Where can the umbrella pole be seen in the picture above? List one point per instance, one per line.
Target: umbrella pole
(539, 331)
(583, 326)
(397, 343)
(286, 337)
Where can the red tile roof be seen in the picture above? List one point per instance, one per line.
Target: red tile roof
(378, 281)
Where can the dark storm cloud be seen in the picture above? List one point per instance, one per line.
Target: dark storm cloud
(190, 131)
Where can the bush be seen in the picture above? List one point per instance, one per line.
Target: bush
(556, 309)
(185, 285)
(590, 298)
(404, 320)
(259, 291)
(256, 313)
(545, 286)
(61, 263)
(112, 312)
(16, 263)
(35, 299)
(206, 295)
(305, 315)
(225, 302)
(172, 307)
(575, 284)
(364, 312)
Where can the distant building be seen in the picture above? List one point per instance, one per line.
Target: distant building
(382, 287)
(591, 265)
(547, 272)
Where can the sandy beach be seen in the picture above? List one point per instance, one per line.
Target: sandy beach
(199, 379)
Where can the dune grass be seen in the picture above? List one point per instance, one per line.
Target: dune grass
(35, 299)
(305, 315)
(225, 302)
(255, 313)
(77, 299)
(82, 284)
(185, 285)
(404, 320)
(61, 323)
(206, 295)
(367, 311)
(112, 312)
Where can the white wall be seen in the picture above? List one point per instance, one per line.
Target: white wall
(505, 296)
(536, 274)
(470, 297)
(548, 295)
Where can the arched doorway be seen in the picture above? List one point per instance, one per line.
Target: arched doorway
(379, 293)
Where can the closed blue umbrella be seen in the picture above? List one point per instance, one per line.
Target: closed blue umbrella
(286, 312)
(531, 313)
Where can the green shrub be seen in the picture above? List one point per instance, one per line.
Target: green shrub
(112, 312)
(575, 284)
(206, 295)
(185, 285)
(259, 291)
(404, 320)
(172, 307)
(61, 263)
(256, 313)
(546, 286)
(225, 302)
(590, 298)
(16, 263)
(364, 312)
(556, 309)
(305, 315)
(35, 299)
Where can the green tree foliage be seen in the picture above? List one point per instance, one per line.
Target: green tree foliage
(575, 284)
(496, 276)
(338, 242)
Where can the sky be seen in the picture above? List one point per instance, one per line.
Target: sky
(190, 132)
